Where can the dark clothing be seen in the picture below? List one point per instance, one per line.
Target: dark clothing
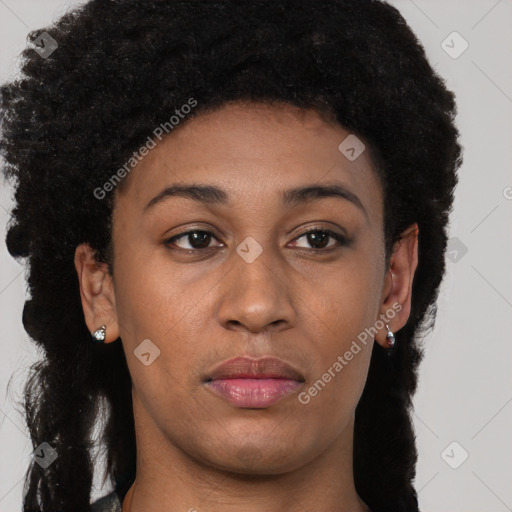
(109, 503)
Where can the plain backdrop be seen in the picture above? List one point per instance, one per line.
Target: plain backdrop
(463, 408)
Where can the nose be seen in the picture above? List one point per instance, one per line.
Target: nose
(257, 295)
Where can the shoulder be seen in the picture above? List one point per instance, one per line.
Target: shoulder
(109, 503)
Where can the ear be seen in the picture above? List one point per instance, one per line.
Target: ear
(397, 291)
(96, 292)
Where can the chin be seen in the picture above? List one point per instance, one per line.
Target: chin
(259, 458)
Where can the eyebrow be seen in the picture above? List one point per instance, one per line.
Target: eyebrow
(210, 194)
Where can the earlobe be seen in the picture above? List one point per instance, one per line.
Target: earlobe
(397, 292)
(96, 293)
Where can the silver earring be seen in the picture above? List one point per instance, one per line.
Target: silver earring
(100, 334)
(390, 337)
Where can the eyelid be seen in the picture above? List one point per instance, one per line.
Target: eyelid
(324, 229)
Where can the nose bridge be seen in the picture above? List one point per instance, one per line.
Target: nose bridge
(256, 264)
(255, 292)
(259, 261)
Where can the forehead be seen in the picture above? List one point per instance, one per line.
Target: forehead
(253, 149)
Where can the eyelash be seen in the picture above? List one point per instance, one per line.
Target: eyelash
(343, 241)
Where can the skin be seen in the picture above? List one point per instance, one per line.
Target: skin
(195, 451)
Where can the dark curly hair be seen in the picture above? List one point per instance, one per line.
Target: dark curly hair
(71, 119)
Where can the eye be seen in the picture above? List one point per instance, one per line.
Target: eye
(198, 240)
(319, 238)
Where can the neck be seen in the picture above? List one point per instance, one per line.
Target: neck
(168, 478)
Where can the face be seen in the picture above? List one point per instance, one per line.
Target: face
(251, 269)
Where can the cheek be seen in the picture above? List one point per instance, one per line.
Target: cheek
(341, 360)
(340, 312)
(150, 298)
(346, 301)
(154, 305)
(329, 400)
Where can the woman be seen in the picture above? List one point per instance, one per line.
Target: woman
(234, 215)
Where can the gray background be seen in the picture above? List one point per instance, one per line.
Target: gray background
(463, 406)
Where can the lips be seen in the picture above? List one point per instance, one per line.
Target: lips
(254, 383)
(263, 368)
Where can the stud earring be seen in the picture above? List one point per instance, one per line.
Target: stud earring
(390, 337)
(99, 335)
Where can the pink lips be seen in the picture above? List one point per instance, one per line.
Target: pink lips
(254, 383)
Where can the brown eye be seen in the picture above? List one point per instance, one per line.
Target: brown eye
(319, 238)
(196, 239)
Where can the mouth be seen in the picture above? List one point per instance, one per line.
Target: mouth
(254, 383)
